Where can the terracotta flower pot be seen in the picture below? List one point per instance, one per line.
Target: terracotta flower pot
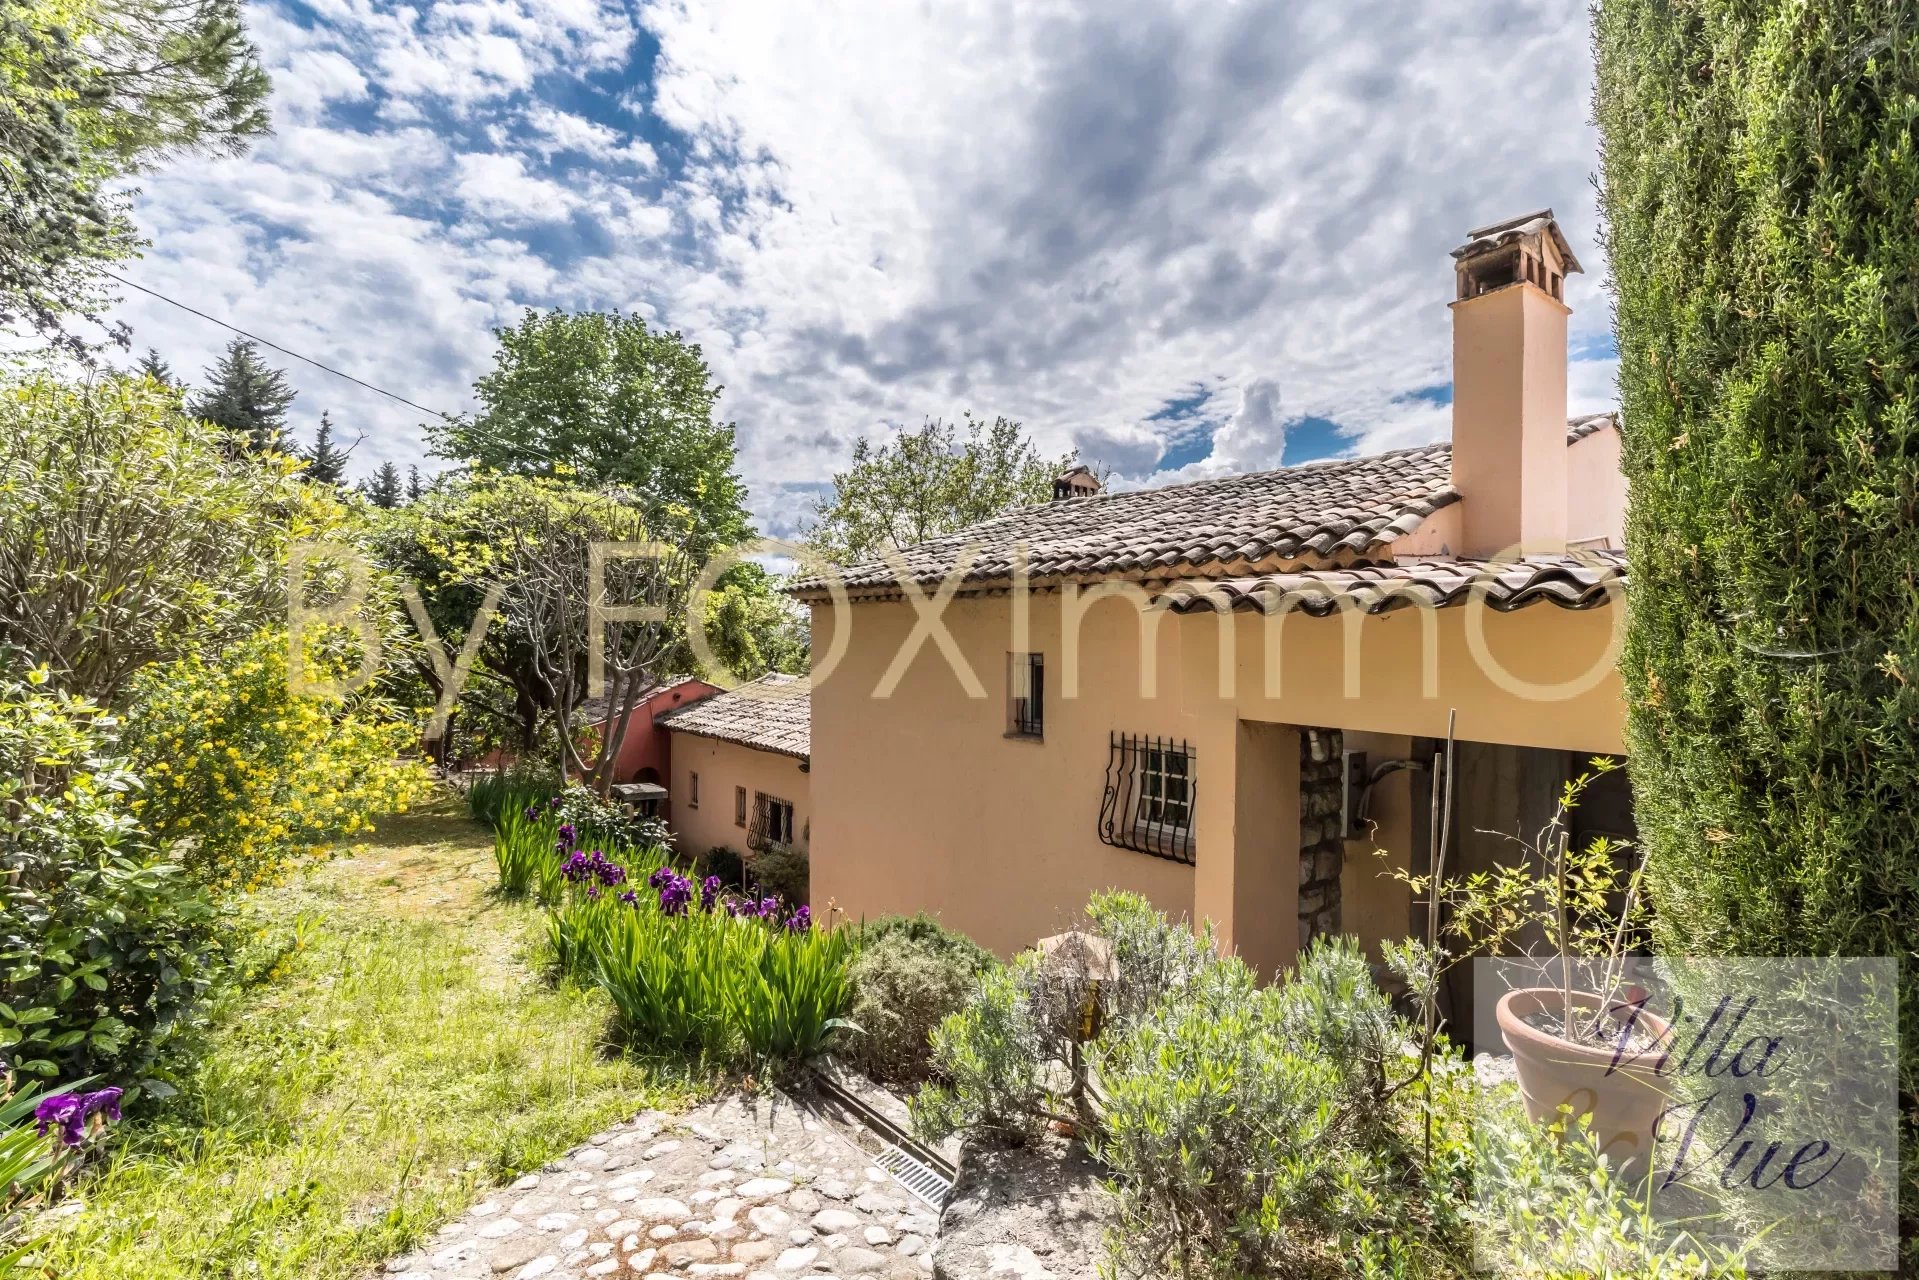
(1623, 1095)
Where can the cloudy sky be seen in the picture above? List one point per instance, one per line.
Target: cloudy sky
(1185, 238)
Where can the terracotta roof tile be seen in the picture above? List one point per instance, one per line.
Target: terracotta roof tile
(1572, 581)
(772, 713)
(1320, 509)
(1348, 509)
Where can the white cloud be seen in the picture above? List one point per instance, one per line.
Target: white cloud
(867, 213)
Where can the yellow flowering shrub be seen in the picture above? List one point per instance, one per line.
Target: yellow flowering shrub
(246, 779)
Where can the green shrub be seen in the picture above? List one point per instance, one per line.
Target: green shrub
(726, 864)
(247, 777)
(911, 975)
(1251, 1129)
(1759, 188)
(604, 822)
(1013, 1060)
(106, 953)
(785, 873)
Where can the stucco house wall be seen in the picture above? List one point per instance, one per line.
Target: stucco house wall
(924, 802)
(723, 766)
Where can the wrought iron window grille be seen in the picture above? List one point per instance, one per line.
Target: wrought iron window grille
(1152, 789)
(773, 826)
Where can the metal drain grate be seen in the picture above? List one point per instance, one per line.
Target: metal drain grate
(915, 1176)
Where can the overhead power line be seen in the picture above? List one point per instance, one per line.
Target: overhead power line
(285, 351)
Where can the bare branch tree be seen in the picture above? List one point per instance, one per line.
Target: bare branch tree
(595, 596)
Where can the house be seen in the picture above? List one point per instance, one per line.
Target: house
(644, 763)
(741, 763)
(1226, 695)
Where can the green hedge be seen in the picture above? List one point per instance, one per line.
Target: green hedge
(1761, 194)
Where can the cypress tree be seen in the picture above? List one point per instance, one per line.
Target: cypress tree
(247, 396)
(384, 489)
(326, 461)
(1761, 177)
(413, 486)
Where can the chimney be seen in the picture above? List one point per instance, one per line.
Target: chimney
(1509, 386)
(1080, 482)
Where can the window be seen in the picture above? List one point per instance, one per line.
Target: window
(1026, 695)
(739, 806)
(1151, 789)
(772, 822)
(692, 790)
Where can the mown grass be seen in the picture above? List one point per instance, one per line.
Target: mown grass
(406, 1058)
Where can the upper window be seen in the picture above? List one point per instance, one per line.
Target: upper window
(739, 806)
(1151, 791)
(692, 790)
(1026, 695)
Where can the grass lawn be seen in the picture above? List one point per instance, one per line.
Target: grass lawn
(406, 1057)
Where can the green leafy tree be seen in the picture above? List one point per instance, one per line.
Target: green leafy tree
(414, 487)
(928, 482)
(326, 461)
(247, 397)
(752, 629)
(384, 489)
(1760, 185)
(600, 399)
(130, 535)
(92, 93)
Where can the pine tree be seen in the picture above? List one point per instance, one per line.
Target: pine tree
(154, 367)
(247, 396)
(326, 461)
(384, 489)
(414, 488)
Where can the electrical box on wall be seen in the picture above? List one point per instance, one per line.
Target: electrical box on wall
(1352, 795)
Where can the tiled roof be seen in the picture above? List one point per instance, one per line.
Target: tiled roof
(1485, 239)
(1572, 581)
(596, 710)
(1320, 509)
(1235, 525)
(772, 713)
(1578, 429)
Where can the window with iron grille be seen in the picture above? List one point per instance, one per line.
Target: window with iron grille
(772, 823)
(1026, 695)
(1151, 788)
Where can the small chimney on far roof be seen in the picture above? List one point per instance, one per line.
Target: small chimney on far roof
(1080, 482)
(1509, 385)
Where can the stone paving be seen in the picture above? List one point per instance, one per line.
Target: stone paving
(753, 1187)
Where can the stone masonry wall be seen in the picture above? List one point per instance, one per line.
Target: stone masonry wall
(1321, 848)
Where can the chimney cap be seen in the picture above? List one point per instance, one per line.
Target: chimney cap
(1540, 222)
(1077, 482)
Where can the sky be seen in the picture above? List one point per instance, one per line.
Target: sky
(1185, 239)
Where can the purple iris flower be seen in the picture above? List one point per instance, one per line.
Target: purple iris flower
(769, 907)
(659, 878)
(567, 835)
(709, 892)
(577, 867)
(70, 1111)
(675, 895)
(630, 898)
(532, 813)
(801, 920)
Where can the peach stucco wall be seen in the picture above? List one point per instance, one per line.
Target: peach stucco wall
(923, 803)
(1596, 491)
(722, 766)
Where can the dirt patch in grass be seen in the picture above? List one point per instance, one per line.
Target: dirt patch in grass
(406, 1058)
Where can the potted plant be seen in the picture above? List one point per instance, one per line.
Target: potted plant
(1566, 917)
